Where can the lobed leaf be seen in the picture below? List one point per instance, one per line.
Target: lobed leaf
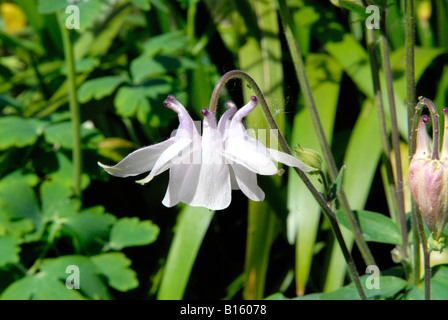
(130, 232)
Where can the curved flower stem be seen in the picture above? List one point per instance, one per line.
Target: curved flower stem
(329, 213)
(74, 109)
(309, 101)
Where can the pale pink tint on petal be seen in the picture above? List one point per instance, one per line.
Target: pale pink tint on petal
(224, 121)
(444, 153)
(423, 148)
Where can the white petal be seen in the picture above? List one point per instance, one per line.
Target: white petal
(289, 160)
(250, 156)
(210, 188)
(247, 181)
(186, 127)
(233, 182)
(177, 176)
(183, 182)
(224, 121)
(139, 161)
(208, 185)
(172, 156)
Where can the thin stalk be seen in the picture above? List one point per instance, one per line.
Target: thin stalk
(411, 100)
(328, 156)
(426, 255)
(237, 74)
(74, 109)
(395, 134)
(411, 96)
(191, 14)
(371, 47)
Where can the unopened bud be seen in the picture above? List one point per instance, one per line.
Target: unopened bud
(311, 157)
(428, 181)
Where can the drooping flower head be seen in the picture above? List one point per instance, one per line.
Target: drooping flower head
(428, 178)
(204, 170)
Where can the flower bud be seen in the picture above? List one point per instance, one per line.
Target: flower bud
(428, 181)
(309, 156)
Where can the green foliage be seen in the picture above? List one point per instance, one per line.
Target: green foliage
(129, 232)
(374, 226)
(128, 56)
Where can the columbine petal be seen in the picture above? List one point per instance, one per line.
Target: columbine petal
(224, 121)
(172, 156)
(247, 154)
(444, 154)
(423, 148)
(212, 186)
(175, 185)
(247, 182)
(139, 161)
(289, 160)
(162, 156)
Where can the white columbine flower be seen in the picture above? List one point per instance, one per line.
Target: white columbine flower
(177, 154)
(203, 173)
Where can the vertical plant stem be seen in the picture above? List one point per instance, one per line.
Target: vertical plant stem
(74, 109)
(309, 100)
(237, 74)
(411, 96)
(395, 134)
(371, 47)
(411, 100)
(426, 255)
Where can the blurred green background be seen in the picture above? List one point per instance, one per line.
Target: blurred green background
(127, 57)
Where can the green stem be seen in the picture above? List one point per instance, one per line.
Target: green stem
(237, 74)
(371, 47)
(411, 100)
(395, 134)
(74, 109)
(309, 101)
(426, 255)
(411, 96)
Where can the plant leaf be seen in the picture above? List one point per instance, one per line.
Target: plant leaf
(115, 267)
(130, 232)
(190, 231)
(90, 282)
(388, 287)
(99, 88)
(40, 286)
(50, 6)
(19, 132)
(375, 227)
(9, 249)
